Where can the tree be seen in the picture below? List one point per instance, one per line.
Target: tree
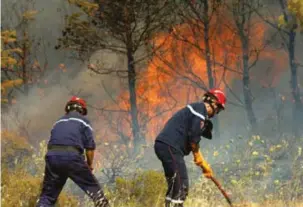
(287, 25)
(20, 51)
(290, 22)
(295, 8)
(205, 47)
(8, 61)
(201, 17)
(245, 27)
(123, 27)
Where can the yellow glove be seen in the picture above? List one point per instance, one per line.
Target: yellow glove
(207, 171)
(199, 161)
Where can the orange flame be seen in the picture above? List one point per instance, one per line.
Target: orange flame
(177, 73)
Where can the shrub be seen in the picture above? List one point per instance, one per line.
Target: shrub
(146, 188)
(22, 189)
(13, 148)
(22, 173)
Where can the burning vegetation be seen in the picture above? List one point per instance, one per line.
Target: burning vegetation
(171, 53)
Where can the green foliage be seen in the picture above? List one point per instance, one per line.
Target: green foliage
(19, 188)
(8, 59)
(295, 9)
(13, 148)
(113, 25)
(8, 84)
(21, 185)
(250, 174)
(261, 170)
(146, 188)
(19, 52)
(202, 193)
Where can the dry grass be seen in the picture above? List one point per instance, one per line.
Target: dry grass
(249, 177)
(275, 203)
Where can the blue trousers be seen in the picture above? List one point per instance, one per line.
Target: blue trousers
(175, 172)
(60, 167)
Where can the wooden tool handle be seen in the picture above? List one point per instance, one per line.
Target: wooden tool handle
(222, 190)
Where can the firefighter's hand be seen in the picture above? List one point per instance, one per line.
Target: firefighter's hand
(207, 171)
(198, 160)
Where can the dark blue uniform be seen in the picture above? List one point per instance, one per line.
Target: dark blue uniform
(70, 136)
(173, 143)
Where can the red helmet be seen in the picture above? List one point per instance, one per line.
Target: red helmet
(220, 96)
(76, 101)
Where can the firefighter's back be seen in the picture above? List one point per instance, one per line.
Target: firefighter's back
(68, 135)
(178, 130)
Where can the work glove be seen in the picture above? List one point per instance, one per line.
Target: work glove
(207, 171)
(198, 160)
(207, 129)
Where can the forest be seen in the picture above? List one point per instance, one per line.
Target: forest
(137, 62)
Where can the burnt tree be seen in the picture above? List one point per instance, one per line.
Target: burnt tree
(201, 19)
(123, 27)
(288, 28)
(290, 32)
(243, 21)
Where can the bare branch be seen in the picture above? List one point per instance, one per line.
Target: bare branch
(103, 71)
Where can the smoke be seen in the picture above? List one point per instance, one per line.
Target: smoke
(48, 25)
(35, 114)
(38, 112)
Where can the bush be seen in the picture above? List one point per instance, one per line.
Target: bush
(146, 188)
(22, 173)
(21, 189)
(13, 148)
(260, 172)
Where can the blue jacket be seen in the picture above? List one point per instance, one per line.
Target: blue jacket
(184, 127)
(73, 129)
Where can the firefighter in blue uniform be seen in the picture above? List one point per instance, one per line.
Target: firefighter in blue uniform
(180, 136)
(71, 136)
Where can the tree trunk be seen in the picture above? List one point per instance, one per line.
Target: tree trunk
(246, 85)
(297, 108)
(138, 140)
(211, 82)
(24, 65)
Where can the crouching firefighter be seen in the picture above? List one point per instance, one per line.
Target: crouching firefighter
(180, 136)
(70, 136)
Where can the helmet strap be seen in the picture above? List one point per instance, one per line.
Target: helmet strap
(210, 99)
(75, 107)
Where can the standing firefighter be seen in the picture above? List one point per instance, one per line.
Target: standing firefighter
(70, 136)
(180, 136)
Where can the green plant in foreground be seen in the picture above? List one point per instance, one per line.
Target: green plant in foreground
(250, 174)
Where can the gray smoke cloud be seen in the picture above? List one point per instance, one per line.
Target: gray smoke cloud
(39, 112)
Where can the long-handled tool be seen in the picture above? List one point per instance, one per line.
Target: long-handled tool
(222, 190)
